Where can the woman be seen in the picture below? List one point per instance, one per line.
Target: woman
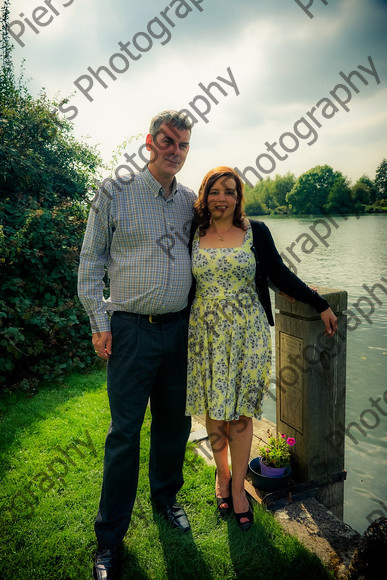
(229, 346)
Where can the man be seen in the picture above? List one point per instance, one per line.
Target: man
(138, 228)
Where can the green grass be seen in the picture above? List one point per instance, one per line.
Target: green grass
(51, 471)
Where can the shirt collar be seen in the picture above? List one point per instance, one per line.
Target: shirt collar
(156, 187)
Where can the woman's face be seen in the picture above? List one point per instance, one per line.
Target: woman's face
(222, 198)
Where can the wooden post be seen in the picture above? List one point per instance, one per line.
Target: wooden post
(310, 390)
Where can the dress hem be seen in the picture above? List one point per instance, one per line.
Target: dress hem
(249, 416)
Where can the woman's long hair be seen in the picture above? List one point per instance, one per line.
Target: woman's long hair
(202, 215)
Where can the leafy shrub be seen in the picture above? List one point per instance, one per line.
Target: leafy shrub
(46, 180)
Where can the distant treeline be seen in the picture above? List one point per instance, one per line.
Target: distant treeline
(319, 190)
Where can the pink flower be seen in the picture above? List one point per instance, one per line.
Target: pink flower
(283, 435)
(290, 441)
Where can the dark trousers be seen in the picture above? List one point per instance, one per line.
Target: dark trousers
(147, 361)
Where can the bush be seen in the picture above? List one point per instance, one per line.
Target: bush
(281, 210)
(379, 206)
(46, 180)
(44, 330)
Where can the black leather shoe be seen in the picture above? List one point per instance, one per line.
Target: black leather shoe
(106, 564)
(175, 515)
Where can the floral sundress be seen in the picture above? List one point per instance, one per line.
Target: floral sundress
(229, 342)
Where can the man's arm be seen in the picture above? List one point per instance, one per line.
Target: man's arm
(94, 256)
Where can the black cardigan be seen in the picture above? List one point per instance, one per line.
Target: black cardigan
(270, 266)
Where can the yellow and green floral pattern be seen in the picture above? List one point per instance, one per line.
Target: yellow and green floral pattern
(229, 343)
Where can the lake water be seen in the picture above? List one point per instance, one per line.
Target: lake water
(354, 253)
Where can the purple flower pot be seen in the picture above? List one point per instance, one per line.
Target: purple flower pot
(264, 482)
(271, 471)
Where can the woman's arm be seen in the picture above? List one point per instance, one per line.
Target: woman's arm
(292, 286)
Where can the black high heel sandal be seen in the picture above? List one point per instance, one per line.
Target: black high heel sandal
(249, 515)
(224, 511)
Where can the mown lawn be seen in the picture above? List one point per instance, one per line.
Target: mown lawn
(51, 472)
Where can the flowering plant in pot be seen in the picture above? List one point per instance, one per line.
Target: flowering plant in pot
(276, 454)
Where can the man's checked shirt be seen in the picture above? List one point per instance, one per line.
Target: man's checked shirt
(142, 239)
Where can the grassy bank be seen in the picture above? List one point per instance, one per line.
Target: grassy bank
(51, 472)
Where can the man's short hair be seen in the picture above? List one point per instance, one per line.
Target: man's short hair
(174, 118)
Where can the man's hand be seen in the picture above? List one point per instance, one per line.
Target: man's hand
(102, 342)
(330, 321)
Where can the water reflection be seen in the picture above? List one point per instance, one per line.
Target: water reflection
(354, 254)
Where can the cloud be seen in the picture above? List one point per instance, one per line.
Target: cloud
(282, 60)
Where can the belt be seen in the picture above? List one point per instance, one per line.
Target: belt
(154, 318)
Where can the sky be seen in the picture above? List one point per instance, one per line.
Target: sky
(279, 103)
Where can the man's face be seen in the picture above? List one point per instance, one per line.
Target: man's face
(169, 149)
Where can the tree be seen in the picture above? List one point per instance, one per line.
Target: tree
(310, 193)
(381, 180)
(360, 194)
(283, 184)
(266, 193)
(339, 197)
(252, 204)
(46, 177)
(373, 192)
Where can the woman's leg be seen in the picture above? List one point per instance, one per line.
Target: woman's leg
(218, 436)
(240, 437)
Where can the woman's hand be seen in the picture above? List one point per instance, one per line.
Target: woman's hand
(330, 320)
(328, 317)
